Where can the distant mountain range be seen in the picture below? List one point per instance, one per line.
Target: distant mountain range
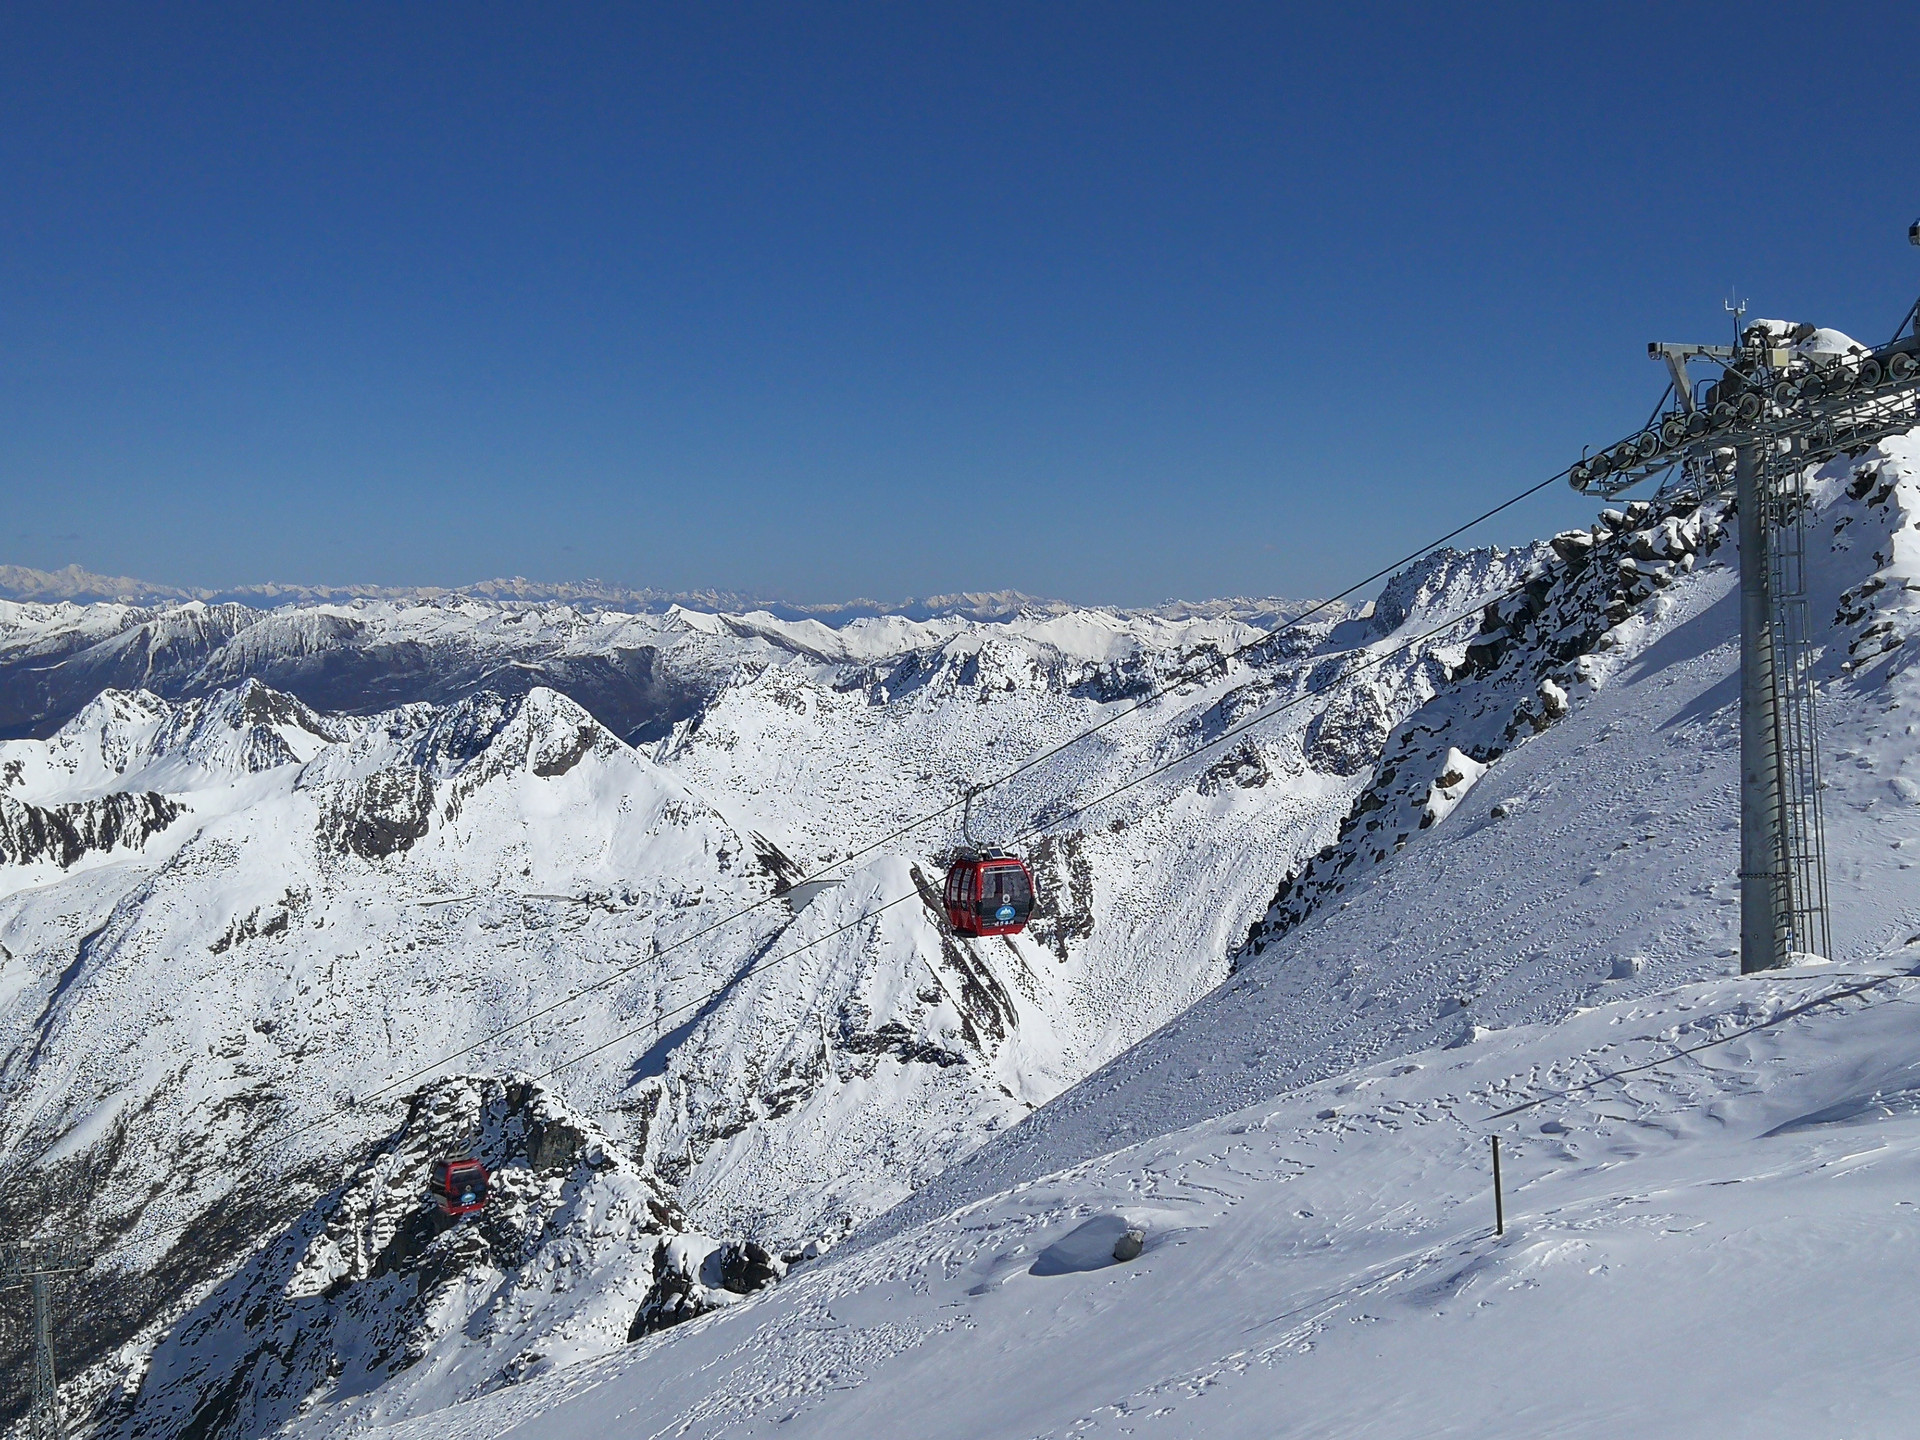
(81, 586)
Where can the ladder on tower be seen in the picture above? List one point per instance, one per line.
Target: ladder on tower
(1800, 869)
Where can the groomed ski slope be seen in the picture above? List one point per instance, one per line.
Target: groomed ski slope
(1721, 1243)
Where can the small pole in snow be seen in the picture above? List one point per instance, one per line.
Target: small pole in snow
(1499, 1206)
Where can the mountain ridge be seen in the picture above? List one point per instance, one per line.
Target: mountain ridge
(76, 585)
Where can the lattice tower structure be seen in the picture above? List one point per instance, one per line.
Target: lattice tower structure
(36, 1265)
(1780, 407)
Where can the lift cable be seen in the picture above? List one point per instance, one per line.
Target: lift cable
(1160, 692)
(1844, 992)
(1231, 733)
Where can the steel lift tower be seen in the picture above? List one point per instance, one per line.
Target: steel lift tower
(1786, 398)
(37, 1266)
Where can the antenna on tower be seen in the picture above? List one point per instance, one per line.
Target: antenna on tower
(1736, 308)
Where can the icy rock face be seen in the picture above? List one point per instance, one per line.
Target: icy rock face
(1444, 581)
(693, 1274)
(378, 815)
(60, 835)
(1879, 505)
(1535, 654)
(355, 1296)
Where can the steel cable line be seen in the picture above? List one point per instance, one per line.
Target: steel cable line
(1372, 661)
(1166, 687)
(1791, 1013)
(1179, 679)
(1231, 733)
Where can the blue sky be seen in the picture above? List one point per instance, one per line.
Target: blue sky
(1111, 302)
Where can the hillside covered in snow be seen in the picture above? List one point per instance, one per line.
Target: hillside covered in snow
(1704, 1173)
(242, 931)
(798, 1158)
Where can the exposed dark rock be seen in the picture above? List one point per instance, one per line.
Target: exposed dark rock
(745, 1267)
(773, 861)
(1063, 892)
(565, 751)
(676, 1297)
(31, 834)
(380, 815)
(1242, 766)
(255, 925)
(463, 731)
(986, 1010)
(692, 1276)
(1344, 738)
(893, 1038)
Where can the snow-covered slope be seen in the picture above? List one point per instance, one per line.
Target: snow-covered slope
(1500, 794)
(1304, 1148)
(215, 1002)
(1602, 849)
(1715, 1243)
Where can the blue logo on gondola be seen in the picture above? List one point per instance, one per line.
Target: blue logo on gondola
(1004, 914)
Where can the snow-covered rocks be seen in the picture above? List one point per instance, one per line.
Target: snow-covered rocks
(693, 1274)
(60, 835)
(351, 1310)
(1458, 774)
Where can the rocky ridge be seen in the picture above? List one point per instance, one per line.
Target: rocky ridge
(1536, 654)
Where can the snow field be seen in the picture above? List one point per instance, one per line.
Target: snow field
(1716, 1242)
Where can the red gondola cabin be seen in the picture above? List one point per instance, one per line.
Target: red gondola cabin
(988, 893)
(459, 1187)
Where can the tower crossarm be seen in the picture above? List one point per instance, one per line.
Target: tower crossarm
(1770, 394)
(21, 1261)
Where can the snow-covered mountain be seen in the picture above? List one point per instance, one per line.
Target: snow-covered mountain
(1705, 1174)
(242, 929)
(235, 924)
(638, 659)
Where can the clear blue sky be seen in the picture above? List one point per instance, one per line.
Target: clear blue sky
(1112, 302)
